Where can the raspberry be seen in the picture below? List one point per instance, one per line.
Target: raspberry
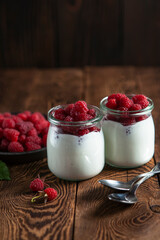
(17, 119)
(125, 102)
(27, 113)
(1, 120)
(1, 133)
(24, 127)
(39, 125)
(141, 118)
(7, 114)
(68, 119)
(4, 145)
(37, 185)
(128, 121)
(81, 117)
(81, 107)
(34, 117)
(8, 123)
(34, 139)
(31, 146)
(94, 129)
(112, 104)
(51, 193)
(15, 147)
(124, 109)
(11, 134)
(32, 132)
(44, 140)
(141, 99)
(60, 114)
(22, 138)
(91, 112)
(135, 107)
(83, 132)
(44, 131)
(23, 116)
(69, 108)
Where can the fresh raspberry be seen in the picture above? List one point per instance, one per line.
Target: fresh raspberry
(1, 133)
(44, 140)
(140, 99)
(125, 102)
(124, 109)
(69, 108)
(83, 132)
(28, 114)
(81, 117)
(34, 117)
(94, 129)
(128, 121)
(34, 139)
(7, 114)
(68, 119)
(39, 125)
(8, 123)
(111, 104)
(30, 146)
(141, 118)
(60, 114)
(23, 116)
(51, 193)
(4, 145)
(81, 107)
(15, 147)
(24, 127)
(22, 138)
(112, 96)
(11, 134)
(135, 107)
(32, 132)
(116, 96)
(1, 120)
(37, 185)
(17, 119)
(91, 112)
(89, 117)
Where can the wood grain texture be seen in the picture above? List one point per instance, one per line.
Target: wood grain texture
(69, 33)
(82, 209)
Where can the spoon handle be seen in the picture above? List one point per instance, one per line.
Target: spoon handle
(137, 184)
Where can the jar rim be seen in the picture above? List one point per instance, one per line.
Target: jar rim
(96, 119)
(146, 110)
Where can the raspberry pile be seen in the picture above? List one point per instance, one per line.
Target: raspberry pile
(47, 194)
(22, 132)
(122, 103)
(76, 112)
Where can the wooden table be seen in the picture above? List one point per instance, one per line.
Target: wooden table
(81, 210)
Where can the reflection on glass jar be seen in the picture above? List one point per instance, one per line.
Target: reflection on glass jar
(129, 136)
(75, 149)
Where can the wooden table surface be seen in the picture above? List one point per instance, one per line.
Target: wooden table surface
(81, 210)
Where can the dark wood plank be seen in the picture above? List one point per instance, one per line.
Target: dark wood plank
(19, 218)
(96, 216)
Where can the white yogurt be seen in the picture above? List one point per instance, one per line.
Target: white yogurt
(75, 158)
(129, 146)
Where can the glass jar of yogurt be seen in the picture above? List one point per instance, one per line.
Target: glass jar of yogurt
(129, 136)
(75, 149)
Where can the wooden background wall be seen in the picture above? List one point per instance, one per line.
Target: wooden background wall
(68, 33)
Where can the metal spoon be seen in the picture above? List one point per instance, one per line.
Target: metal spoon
(126, 185)
(130, 197)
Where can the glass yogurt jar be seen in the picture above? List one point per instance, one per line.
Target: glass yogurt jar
(75, 149)
(129, 135)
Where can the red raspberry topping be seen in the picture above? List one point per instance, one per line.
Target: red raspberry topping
(60, 114)
(8, 123)
(37, 185)
(112, 103)
(141, 99)
(135, 107)
(91, 112)
(31, 146)
(125, 102)
(68, 119)
(81, 107)
(127, 121)
(15, 147)
(83, 132)
(51, 193)
(11, 134)
(69, 108)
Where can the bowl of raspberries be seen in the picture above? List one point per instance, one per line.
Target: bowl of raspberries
(23, 135)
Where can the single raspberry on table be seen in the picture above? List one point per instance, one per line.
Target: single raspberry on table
(11, 134)
(8, 123)
(31, 146)
(37, 185)
(15, 147)
(51, 193)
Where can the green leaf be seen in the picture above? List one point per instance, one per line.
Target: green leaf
(4, 171)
